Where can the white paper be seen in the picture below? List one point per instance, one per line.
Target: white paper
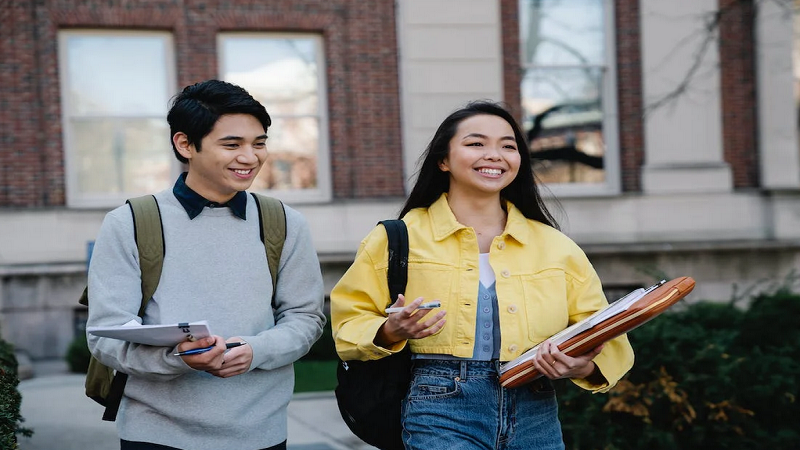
(168, 335)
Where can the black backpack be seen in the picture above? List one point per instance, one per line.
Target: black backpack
(369, 393)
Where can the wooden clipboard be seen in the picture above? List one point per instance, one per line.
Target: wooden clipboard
(642, 310)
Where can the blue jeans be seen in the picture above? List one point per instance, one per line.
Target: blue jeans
(460, 405)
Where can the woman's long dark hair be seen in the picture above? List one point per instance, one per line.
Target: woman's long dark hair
(432, 182)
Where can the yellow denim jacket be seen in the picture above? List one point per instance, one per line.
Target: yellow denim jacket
(544, 284)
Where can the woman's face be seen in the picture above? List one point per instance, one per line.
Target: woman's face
(483, 157)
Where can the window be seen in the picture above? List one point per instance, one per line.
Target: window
(569, 94)
(285, 72)
(115, 89)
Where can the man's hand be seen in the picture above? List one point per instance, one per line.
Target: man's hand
(408, 324)
(236, 361)
(210, 360)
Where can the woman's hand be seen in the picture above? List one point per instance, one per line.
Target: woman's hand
(410, 323)
(554, 364)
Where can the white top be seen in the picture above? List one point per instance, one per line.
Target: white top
(487, 274)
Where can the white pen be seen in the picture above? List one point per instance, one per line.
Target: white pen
(429, 305)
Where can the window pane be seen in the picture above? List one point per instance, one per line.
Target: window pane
(112, 74)
(562, 32)
(121, 156)
(293, 146)
(564, 123)
(281, 73)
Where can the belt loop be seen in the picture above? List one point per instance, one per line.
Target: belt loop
(463, 370)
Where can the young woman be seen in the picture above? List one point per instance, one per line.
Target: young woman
(482, 243)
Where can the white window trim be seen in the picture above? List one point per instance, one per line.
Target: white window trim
(74, 198)
(611, 157)
(323, 192)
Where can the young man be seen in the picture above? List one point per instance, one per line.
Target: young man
(215, 268)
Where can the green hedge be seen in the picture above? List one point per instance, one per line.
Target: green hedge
(10, 399)
(707, 376)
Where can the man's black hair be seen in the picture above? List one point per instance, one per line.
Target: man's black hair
(198, 107)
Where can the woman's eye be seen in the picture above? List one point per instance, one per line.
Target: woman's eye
(474, 144)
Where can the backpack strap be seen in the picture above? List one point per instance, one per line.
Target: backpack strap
(149, 238)
(272, 220)
(397, 276)
(150, 243)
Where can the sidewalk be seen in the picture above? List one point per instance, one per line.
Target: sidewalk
(62, 417)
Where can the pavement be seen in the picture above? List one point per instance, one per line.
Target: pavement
(63, 418)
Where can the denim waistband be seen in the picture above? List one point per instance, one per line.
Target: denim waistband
(465, 369)
(462, 368)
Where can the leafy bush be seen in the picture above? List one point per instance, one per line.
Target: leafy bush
(10, 399)
(707, 376)
(78, 355)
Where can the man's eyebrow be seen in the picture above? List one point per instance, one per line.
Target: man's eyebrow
(239, 138)
(231, 138)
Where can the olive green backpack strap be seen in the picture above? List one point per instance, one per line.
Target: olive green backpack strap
(272, 219)
(150, 243)
(102, 384)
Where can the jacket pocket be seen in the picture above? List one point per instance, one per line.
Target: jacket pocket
(545, 303)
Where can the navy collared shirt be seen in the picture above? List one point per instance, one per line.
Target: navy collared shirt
(194, 203)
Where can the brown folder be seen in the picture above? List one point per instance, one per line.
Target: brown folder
(651, 304)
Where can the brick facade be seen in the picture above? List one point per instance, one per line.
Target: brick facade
(362, 75)
(629, 94)
(738, 84)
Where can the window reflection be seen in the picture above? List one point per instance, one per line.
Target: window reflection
(562, 87)
(282, 72)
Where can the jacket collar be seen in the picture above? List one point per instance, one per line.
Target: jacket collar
(444, 223)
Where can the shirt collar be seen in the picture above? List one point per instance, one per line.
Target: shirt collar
(194, 203)
(444, 222)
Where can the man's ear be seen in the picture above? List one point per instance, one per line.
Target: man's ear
(182, 145)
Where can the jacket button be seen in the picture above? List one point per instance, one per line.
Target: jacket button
(501, 245)
(512, 348)
(512, 309)
(505, 273)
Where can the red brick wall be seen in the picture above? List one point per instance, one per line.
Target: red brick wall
(629, 81)
(737, 76)
(629, 93)
(362, 76)
(512, 68)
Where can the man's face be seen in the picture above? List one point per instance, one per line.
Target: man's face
(229, 159)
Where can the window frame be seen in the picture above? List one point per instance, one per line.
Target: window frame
(610, 124)
(323, 192)
(74, 198)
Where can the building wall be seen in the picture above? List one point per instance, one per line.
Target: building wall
(710, 183)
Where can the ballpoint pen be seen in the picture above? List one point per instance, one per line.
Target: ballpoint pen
(196, 351)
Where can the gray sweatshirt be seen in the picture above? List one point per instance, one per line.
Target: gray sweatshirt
(215, 269)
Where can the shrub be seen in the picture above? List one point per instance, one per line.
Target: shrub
(10, 399)
(707, 376)
(78, 355)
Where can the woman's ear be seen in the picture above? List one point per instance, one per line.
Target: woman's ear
(443, 165)
(181, 141)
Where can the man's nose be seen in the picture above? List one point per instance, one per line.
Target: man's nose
(247, 155)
